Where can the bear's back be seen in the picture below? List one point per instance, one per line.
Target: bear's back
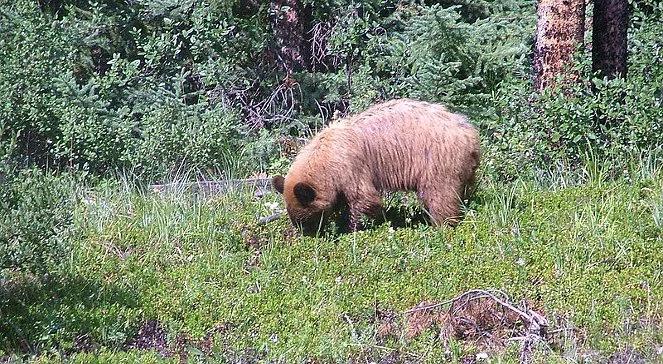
(402, 141)
(406, 113)
(397, 142)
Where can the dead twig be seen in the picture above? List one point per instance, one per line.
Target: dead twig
(267, 219)
(455, 299)
(206, 187)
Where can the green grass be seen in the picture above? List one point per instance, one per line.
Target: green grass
(587, 250)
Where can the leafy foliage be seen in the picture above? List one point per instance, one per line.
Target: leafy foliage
(123, 85)
(90, 87)
(153, 86)
(35, 218)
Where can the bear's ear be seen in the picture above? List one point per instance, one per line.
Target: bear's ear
(305, 193)
(277, 183)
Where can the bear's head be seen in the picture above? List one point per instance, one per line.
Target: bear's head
(306, 205)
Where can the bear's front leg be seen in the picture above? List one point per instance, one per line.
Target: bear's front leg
(370, 207)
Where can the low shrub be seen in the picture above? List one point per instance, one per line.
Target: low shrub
(36, 211)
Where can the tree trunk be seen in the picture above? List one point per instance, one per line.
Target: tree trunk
(560, 29)
(610, 22)
(290, 20)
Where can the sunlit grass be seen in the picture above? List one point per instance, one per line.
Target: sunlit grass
(587, 249)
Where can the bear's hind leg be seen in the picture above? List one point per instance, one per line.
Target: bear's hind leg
(442, 204)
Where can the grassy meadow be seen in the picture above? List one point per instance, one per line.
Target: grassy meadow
(177, 277)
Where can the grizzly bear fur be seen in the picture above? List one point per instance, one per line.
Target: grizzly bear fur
(402, 145)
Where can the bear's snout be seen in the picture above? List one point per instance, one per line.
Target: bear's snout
(309, 225)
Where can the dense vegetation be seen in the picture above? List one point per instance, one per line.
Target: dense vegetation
(97, 99)
(131, 85)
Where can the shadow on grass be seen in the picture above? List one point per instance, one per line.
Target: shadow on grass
(62, 312)
(397, 217)
(403, 216)
(402, 209)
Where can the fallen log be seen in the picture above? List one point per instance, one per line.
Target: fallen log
(260, 186)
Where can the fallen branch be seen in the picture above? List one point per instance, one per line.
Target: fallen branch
(214, 187)
(457, 298)
(267, 219)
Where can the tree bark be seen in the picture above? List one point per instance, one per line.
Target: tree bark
(560, 29)
(609, 23)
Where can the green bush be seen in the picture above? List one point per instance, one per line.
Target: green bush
(105, 87)
(36, 211)
(33, 52)
(152, 86)
(439, 57)
(177, 135)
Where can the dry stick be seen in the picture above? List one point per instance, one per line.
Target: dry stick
(267, 219)
(352, 327)
(257, 112)
(533, 335)
(224, 185)
(560, 330)
(320, 32)
(457, 298)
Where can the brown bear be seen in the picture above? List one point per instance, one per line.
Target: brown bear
(403, 144)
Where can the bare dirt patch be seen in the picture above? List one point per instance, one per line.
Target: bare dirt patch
(152, 335)
(84, 343)
(253, 242)
(626, 356)
(387, 323)
(251, 239)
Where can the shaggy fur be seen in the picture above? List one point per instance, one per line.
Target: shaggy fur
(397, 145)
